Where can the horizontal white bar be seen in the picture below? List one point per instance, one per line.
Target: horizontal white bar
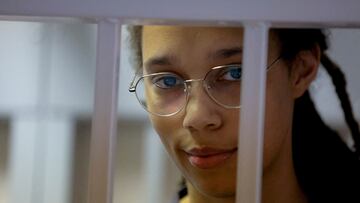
(316, 12)
(48, 19)
(250, 153)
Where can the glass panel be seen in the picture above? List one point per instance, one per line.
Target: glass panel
(46, 86)
(47, 89)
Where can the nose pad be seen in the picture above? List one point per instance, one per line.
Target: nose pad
(188, 86)
(200, 111)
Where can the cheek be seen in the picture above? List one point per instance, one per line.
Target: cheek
(173, 136)
(169, 130)
(161, 126)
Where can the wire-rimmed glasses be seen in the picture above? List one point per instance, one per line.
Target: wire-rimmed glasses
(166, 93)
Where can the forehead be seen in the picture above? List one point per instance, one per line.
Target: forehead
(190, 31)
(188, 42)
(177, 35)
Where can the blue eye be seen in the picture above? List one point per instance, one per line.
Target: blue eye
(232, 74)
(167, 81)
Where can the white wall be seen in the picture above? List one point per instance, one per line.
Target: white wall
(19, 56)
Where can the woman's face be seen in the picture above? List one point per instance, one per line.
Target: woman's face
(202, 138)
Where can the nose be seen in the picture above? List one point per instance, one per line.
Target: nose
(201, 113)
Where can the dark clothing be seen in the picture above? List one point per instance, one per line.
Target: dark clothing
(327, 170)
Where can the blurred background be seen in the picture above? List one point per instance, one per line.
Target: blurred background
(47, 78)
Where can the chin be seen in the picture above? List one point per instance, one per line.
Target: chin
(216, 189)
(218, 182)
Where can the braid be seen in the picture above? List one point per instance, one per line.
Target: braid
(326, 169)
(338, 79)
(295, 40)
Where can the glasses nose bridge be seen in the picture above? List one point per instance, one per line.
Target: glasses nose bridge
(203, 85)
(188, 83)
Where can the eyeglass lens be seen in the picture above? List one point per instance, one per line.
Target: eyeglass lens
(166, 94)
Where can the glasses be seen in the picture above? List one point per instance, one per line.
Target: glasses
(166, 93)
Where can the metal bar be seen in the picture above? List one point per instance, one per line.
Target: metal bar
(103, 135)
(316, 12)
(275, 23)
(250, 153)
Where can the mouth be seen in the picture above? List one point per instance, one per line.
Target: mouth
(207, 158)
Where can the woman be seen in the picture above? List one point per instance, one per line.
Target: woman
(189, 79)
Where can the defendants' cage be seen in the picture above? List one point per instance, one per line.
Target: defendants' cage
(256, 17)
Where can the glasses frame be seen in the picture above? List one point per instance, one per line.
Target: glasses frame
(187, 85)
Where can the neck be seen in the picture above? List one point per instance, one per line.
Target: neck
(279, 181)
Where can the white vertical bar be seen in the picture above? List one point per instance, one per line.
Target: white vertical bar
(250, 153)
(103, 135)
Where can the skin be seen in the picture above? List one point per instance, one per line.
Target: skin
(190, 52)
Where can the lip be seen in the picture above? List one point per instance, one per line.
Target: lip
(207, 158)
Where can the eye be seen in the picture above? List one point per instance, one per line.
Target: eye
(232, 73)
(167, 81)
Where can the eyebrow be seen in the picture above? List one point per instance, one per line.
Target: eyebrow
(163, 60)
(226, 53)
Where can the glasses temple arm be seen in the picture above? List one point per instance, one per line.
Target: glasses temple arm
(132, 87)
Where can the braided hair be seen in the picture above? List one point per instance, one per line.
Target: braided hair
(326, 168)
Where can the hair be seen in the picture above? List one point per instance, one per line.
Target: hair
(135, 39)
(326, 168)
